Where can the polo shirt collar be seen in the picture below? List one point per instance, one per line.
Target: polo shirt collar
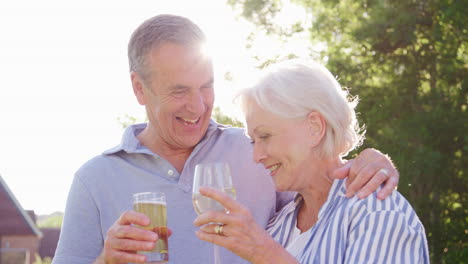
(131, 144)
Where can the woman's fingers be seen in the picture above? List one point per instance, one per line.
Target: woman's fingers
(213, 217)
(225, 200)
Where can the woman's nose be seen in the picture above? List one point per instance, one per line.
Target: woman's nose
(258, 153)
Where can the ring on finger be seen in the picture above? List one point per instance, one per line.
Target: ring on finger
(219, 229)
(384, 171)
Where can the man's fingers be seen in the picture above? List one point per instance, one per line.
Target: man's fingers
(373, 184)
(125, 238)
(364, 175)
(133, 232)
(367, 156)
(343, 172)
(390, 185)
(125, 257)
(132, 217)
(130, 245)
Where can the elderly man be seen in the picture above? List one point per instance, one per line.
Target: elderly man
(174, 81)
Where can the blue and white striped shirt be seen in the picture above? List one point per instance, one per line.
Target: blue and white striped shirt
(354, 231)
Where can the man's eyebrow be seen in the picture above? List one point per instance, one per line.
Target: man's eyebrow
(184, 87)
(178, 87)
(209, 83)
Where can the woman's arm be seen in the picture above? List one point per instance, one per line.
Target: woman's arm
(240, 233)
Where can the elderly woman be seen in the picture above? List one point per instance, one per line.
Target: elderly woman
(302, 123)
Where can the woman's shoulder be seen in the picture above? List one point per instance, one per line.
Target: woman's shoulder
(395, 205)
(394, 202)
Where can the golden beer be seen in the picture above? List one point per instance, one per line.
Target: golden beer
(157, 213)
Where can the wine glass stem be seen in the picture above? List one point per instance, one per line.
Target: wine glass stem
(217, 257)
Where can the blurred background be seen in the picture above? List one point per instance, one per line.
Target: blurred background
(65, 94)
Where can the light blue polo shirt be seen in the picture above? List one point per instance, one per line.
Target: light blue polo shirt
(102, 190)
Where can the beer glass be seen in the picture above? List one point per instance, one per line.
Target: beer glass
(217, 176)
(153, 205)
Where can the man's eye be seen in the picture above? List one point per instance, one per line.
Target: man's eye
(264, 137)
(178, 92)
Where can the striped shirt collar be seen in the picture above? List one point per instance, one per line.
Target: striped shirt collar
(338, 189)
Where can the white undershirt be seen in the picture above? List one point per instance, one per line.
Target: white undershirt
(297, 241)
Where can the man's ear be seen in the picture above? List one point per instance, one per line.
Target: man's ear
(138, 87)
(317, 126)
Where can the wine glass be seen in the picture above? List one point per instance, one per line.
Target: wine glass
(216, 176)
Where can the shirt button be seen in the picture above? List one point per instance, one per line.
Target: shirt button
(170, 172)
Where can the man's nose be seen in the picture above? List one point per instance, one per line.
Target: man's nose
(196, 103)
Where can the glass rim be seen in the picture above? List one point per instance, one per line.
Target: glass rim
(159, 194)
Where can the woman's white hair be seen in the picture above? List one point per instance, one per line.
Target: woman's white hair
(293, 89)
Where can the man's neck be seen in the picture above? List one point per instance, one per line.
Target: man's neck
(176, 156)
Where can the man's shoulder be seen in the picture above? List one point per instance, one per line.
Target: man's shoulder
(233, 133)
(96, 165)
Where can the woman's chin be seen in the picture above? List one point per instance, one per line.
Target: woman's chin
(280, 188)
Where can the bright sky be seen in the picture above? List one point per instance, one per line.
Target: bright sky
(64, 82)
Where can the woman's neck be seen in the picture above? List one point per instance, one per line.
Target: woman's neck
(316, 193)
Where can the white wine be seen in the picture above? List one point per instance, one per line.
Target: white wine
(202, 204)
(157, 213)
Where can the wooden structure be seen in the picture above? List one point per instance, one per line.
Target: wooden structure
(19, 236)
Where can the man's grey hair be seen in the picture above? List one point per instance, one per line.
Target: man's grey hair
(159, 30)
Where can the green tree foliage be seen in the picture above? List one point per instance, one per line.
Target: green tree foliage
(127, 120)
(407, 60)
(221, 118)
(54, 220)
(39, 260)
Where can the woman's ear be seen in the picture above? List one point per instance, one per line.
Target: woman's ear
(138, 88)
(317, 127)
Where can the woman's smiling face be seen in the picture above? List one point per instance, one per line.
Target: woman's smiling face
(284, 146)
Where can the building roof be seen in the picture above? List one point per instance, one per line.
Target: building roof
(14, 220)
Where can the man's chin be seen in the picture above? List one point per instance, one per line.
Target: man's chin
(190, 142)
